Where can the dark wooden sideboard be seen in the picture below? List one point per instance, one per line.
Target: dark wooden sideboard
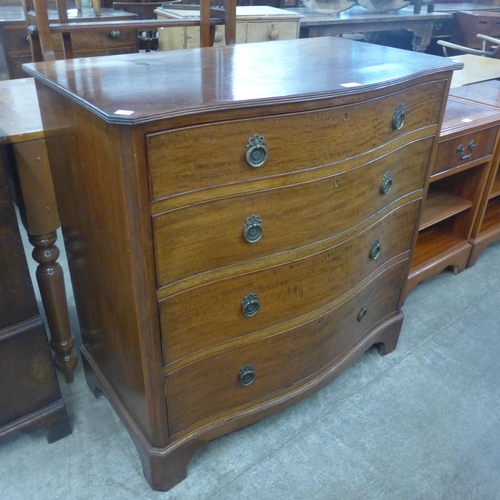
(237, 232)
(15, 46)
(30, 397)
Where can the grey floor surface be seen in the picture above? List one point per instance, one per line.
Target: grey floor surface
(420, 423)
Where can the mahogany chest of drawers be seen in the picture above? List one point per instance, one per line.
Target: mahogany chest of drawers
(239, 231)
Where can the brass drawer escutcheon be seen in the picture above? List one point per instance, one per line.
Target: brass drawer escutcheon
(247, 375)
(398, 118)
(257, 152)
(252, 230)
(250, 305)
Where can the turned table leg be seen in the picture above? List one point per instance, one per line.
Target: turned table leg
(42, 221)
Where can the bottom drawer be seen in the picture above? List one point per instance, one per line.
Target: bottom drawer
(213, 384)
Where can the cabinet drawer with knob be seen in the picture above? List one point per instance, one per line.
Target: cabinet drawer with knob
(264, 32)
(231, 230)
(223, 154)
(231, 378)
(256, 23)
(241, 305)
(462, 150)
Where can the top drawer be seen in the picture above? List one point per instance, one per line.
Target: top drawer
(190, 159)
(465, 149)
(17, 43)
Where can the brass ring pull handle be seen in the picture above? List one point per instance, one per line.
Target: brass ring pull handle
(362, 314)
(115, 34)
(386, 185)
(375, 249)
(461, 150)
(250, 305)
(257, 153)
(398, 119)
(247, 375)
(252, 230)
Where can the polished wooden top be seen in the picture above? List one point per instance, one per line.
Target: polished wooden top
(360, 15)
(19, 112)
(463, 115)
(135, 88)
(476, 69)
(484, 92)
(13, 14)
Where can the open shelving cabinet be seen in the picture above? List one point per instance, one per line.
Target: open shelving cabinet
(486, 228)
(455, 201)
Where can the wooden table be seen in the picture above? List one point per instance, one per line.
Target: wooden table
(476, 69)
(23, 148)
(360, 20)
(29, 389)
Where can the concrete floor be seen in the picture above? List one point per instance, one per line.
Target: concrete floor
(420, 423)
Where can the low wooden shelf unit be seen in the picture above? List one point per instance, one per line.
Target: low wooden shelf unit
(463, 174)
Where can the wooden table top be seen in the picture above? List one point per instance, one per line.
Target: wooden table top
(20, 118)
(204, 80)
(360, 15)
(13, 14)
(463, 115)
(484, 92)
(476, 69)
(462, 7)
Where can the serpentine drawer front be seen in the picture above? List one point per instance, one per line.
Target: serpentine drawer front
(212, 384)
(217, 155)
(284, 292)
(238, 233)
(284, 217)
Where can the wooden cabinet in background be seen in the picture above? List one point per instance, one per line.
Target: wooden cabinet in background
(460, 175)
(468, 24)
(486, 228)
(239, 230)
(253, 24)
(15, 45)
(29, 390)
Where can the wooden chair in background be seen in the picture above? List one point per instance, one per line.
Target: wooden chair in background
(494, 52)
(40, 29)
